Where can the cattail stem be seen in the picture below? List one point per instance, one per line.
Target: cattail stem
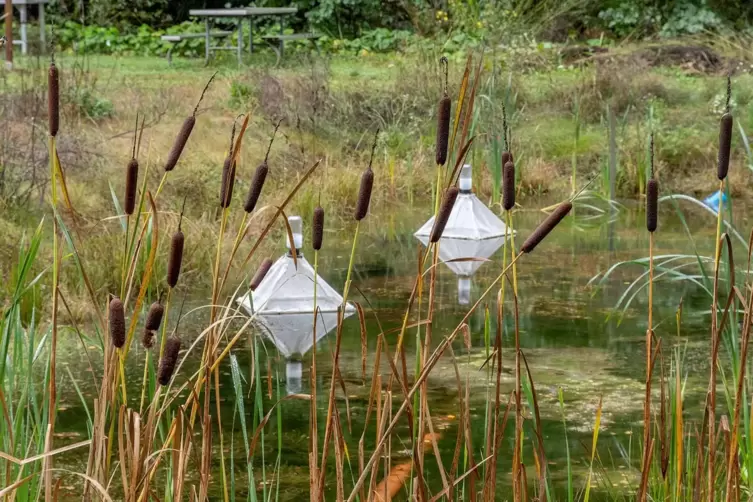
(511, 230)
(350, 265)
(164, 324)
(161, 184)
(147, 361)
(312, 379)
(714, 335)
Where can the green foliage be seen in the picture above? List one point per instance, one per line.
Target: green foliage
(667, 18)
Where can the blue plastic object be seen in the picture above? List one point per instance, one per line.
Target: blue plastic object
(712, 200)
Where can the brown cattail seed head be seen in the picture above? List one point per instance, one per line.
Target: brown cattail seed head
(132, 178)
(443, 130)
(448, 202)
(117, 323)
(261, 272)
(176, 258)
(364, 195)
(257, 184)
(180, 143)
(546, 226)
(168, 361)
(53, 99)
(652, 204)
(154, 316)
(228, 181)
(508, 186)
(317, 229)
(147, 340)
(506, 157)
(725, 142)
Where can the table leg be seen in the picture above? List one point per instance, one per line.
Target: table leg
(282, 32)
(240, 40)
(42, 30)
(251, 35)
(24, 41)
(206, 40)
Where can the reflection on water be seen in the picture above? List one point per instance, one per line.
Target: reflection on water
(565, 333)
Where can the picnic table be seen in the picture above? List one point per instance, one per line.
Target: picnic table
(241, 14)
(22, 6)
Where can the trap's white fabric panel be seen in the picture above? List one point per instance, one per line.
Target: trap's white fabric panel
(284, 305)
(470, 219)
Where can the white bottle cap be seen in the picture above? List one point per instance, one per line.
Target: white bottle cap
(296, 227)
(465, 181)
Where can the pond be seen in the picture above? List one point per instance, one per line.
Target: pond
(570, 333)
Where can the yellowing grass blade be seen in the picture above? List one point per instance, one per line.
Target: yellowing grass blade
(597, 424)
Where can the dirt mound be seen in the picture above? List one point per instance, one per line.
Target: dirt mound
(692, 58)
(698, 58)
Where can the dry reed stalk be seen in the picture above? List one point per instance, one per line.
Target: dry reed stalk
(185, 131)
(317, 229)
(732, 464)
(260, 274)
(546, 227)
(117, 322)
(508, 186)
(53, 99)
(445, 210)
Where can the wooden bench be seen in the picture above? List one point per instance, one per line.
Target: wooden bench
(174, 39)
(277, 42)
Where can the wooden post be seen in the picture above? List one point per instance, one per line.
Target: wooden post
(9, 34)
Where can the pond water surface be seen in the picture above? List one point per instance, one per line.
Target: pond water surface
(567, 335)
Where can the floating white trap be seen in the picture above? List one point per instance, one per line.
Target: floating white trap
(473, 234)
(284, 301)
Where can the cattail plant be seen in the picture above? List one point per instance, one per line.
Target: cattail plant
(448, 202)
(725, 137)
(508, 186)
(168, 361)
(53, 99)
(725, 140)
(147, 339)
(154, 316)
(443, 120)
(132, 176)
(652, 202)
(228, 172)
(260, 175)
(364, 194)
(184, 133)
(546, 227)
(317, 228)
(367, 186)
(260, 274)
(117, 322)
(176, 254)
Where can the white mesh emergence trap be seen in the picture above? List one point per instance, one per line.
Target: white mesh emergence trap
(284, 301)
(470, 218)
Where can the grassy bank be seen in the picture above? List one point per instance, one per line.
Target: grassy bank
(559, 115)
